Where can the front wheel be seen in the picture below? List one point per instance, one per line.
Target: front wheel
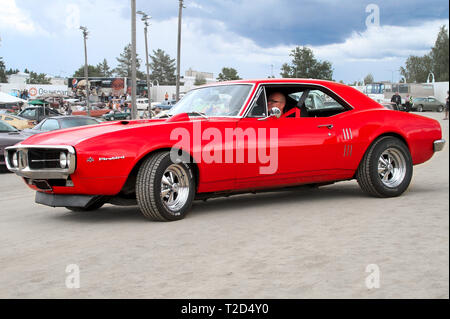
(386, 168)
(420, 108)
(440, 108)
(164, 190)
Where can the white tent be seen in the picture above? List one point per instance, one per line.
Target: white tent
(6, 98)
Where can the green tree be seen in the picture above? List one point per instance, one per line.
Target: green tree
(36, 78)
(228, 74)
(368, 79)
(162, 68)
(104, 69)
(199, 80)
(439, 54)
(3, 78)
(123, 69)
(93, 71)
(305, 65)
(11, 71)
(417, 68)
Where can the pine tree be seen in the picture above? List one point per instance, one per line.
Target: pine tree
(162, 68)
(124, 67)
(439, 54)
(104, 69)
(3, 78)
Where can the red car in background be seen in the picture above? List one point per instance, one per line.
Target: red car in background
(221, 139)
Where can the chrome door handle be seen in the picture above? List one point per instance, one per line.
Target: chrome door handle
(329, 126)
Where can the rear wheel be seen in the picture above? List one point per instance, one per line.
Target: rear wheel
(386, 168)
(440, 108)
(164, 189)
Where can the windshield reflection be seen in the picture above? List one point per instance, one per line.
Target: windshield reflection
(221, 100)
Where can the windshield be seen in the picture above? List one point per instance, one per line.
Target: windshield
(222, 100)
(4, 127)
(77, 122)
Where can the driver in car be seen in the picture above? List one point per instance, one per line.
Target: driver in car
(276, 99)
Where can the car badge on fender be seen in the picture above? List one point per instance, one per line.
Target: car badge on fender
(111, 158)
(90, 160)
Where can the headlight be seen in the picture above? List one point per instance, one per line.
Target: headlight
(15, 159)
(63, 161)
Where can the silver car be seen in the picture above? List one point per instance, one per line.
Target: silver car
(421, 104)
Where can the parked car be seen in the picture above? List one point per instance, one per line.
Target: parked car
(60, 122)
(17, 121)
(164, 105)
(421, 104)
(38, 113)
(229, 138)
(9, 135)
(117, 115)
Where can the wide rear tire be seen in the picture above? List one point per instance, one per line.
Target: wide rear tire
(386, 168)
(164, 190)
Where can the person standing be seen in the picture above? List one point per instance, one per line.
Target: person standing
(397, 99)
(408, 103)
(446, 108)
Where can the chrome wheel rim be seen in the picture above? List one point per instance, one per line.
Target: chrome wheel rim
(174, 187)
(392, 167)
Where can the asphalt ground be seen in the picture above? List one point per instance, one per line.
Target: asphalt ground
(331, 242)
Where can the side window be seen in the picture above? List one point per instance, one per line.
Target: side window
(318, 104)
(7, 118)
(50, 125)
(259, 107)
(30, 113)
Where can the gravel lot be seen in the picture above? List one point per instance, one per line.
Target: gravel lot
(293, 244)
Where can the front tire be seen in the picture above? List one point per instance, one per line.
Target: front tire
(440, 108)
(420, 108)
(386, 168)
(164, 190)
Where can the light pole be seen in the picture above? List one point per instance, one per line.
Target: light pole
(85, 34)
(145, 19)
(180, 10)
(133, 60)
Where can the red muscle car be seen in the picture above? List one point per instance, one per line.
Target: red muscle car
(227, 138)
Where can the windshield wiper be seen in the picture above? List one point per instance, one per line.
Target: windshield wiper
(199, 113)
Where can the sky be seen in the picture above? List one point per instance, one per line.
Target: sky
(253, 36)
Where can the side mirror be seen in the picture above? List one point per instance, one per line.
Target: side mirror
(273, 113)
(276, 112)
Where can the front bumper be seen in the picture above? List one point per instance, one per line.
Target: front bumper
(438, 145)
(54, 200)
(23, 169)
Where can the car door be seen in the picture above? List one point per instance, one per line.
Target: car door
(289, 150)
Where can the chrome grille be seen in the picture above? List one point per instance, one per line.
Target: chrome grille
(43, 158)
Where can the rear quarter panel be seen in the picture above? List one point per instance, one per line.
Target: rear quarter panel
(418, 132)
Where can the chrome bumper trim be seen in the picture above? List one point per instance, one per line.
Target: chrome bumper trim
(24, 169)
(438, 145)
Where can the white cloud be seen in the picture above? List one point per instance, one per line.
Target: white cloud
(13, 18)
(383, 43)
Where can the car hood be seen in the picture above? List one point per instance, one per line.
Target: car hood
(76, 135)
